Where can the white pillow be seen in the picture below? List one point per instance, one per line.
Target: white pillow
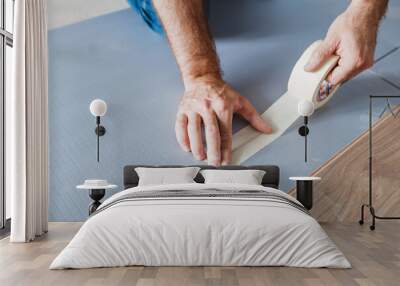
(248, 177)
(163, 176)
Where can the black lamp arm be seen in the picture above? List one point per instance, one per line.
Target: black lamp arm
(100, 131)
(303, 131)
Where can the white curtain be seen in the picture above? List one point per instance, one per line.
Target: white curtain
(26, 123)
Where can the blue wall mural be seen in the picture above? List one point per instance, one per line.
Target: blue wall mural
(117, 58)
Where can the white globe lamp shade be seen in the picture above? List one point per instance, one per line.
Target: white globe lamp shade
(305, 108)
(98, 107)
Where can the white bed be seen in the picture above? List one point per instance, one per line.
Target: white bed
(185, 230)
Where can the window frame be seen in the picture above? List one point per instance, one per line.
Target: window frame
(6, 39)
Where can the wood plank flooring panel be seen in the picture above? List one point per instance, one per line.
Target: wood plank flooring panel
(375, 257)
(344, 185)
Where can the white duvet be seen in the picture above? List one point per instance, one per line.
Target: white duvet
(200, 231)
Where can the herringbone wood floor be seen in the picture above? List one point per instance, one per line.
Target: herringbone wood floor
(375, 257)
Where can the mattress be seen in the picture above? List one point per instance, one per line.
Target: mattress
(201, 225)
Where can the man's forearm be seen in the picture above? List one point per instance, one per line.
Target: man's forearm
(375, 9)
(187, 31)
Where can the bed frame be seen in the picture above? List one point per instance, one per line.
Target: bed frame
(271, 177)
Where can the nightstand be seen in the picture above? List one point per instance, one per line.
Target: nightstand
(97, 190)
(304, 190)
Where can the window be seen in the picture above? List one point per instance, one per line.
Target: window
(6, 44)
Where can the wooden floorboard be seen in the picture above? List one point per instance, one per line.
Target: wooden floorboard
(375, 257)
(344, 185)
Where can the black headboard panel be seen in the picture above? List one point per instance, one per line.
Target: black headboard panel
(271, 177)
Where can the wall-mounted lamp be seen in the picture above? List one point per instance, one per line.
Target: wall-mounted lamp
(305, 109)
(98, 108)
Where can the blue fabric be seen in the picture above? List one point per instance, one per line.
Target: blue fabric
(146, 10)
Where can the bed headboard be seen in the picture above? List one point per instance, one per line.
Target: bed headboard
(271, 177)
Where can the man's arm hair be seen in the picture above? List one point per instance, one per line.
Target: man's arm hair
(375, 8)
(188, 33)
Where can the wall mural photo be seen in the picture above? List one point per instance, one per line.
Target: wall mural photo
(175, 97)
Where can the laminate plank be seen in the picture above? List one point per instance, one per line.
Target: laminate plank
(375, 258)
(344, 185)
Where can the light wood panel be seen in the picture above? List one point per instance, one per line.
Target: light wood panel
(344, 185)
(375, 257)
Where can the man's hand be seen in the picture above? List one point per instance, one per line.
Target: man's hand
(352, 36)
(212, 103)
(208, 100)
